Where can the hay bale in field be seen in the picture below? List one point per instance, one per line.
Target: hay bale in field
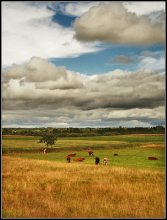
(152, 158)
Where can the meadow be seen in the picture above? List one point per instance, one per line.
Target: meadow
(46, 186)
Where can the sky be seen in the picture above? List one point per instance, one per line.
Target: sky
(83, 64)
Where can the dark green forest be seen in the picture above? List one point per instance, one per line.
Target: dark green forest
(83, 132)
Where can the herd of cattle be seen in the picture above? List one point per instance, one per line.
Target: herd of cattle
(76, 159)
(90, 153)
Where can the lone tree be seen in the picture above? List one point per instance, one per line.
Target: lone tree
(48, 139)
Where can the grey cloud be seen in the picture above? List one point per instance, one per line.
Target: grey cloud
(113, 23)
(53, 86)
(157, 17)
(122, 59)
(66, 44)
(117, 89)
(74, 98)
(122, 102)
(76, 118)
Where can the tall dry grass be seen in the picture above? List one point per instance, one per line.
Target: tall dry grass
(32, 189)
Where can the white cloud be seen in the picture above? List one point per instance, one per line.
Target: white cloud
(113, 23)
(134, 123)
(78, 8)
(150, 63)
(153, 61)
(27, 30)
(139, 8)
(142, 7)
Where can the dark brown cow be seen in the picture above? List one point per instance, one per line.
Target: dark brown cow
(115, 154)
(90, 153)
(68, 159)
(152, 158)
(79, 159)
(71, 155)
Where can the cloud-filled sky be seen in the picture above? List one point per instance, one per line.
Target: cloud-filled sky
(83, 64)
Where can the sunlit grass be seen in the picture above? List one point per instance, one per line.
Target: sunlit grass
(37, 185)
(47, 189)
(136, 157)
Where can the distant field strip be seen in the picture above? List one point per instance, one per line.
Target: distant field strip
(29, 142)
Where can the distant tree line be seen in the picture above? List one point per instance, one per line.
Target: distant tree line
(82, 132)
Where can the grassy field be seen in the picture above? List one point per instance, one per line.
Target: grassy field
(128, 157)
(17, 143)
(43, 189)
(46, 186)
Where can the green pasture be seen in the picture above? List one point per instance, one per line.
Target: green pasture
(129, 157)
(29, 143)
(132, 150)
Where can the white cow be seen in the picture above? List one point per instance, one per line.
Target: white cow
(105, 161)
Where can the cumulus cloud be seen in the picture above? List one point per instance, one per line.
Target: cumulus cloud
(139, 8)
(30, 71)
(115, 24)
(29, 30)
(62, 95)
(41, 77)
(38, 93)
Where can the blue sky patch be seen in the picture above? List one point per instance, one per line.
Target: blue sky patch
(64, 20)
(103, 61)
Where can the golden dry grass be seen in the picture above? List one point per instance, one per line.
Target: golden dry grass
(43, 189)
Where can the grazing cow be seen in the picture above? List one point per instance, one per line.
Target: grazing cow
(97, 160)
(68, 159)
(152, 158)
(105, 161)
(71, 155)
(44, 150)
(79, 159)
(90, 153)
(115, 154)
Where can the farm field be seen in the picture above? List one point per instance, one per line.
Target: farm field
(12, 143)
(46, 186)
